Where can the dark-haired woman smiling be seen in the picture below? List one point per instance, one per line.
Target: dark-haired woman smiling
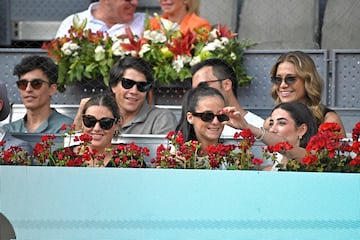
(100, 119)
(201, 117)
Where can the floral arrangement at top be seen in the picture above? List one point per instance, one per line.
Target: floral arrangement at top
(172, 53)
(84, 54)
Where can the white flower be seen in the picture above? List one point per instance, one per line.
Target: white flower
(224, 40)
(99, 53)
(155, 36)
(74, 46)
(233, 56)
(117, 49)
(144, 49)
(195, 60)
(180, 62)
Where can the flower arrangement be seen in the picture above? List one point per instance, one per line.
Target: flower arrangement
(81, 55)
(85, 54)
(328, 152)
(172, 53)
(181, 154)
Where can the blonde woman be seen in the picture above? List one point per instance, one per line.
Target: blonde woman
(295, 79)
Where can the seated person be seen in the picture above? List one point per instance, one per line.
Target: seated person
(37, 76)
(6, 139)
(295, 122)
(131, 79)
(193, 122)
(303, 127)
(101, 120)
(185, 13)
(112, 17)
(295, 78)
(219, 74)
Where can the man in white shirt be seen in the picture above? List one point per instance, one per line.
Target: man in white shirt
(218, 74)
(111, 16)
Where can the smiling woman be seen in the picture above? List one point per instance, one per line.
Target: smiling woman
(100, 119)
(296, 79)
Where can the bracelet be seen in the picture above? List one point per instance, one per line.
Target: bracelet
(261, 135)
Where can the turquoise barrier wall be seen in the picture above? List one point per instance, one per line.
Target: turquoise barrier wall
(94, 203)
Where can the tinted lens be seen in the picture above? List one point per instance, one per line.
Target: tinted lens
(105, 123)
(35, 84)
(209, 116)
(222, 117)
(287, 80)
(141, 86)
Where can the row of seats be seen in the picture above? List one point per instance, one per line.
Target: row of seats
(282, 24)
(272, 24)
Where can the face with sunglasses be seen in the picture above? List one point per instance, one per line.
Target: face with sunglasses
(289, 87)
(99, 122)
(130, 91)
(207, 119)
(35, 90)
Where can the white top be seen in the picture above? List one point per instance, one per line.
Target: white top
(136, 26)
(250, 118)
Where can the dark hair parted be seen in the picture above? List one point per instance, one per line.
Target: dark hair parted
(139, 64)
(45, 64)
(301, 114)
(221, 70)
(107, 100)
(306, 70)
(189, 104)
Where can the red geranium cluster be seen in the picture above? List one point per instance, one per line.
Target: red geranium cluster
(129, 155)
(181, 154)
(178, 154)
(328, 151)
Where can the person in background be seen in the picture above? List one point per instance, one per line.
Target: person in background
(130, 80)
(101, 120)
(6, 139)
(111, 16)
(183, 12)
(37, 76)
(201, 116)
(219, 74)
(295, 79)
(295, 122)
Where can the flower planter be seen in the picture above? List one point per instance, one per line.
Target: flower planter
(93, 203)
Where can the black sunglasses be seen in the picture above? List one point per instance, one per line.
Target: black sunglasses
(35, 83)
(287, 80)
(105, 123)
(141, 86)
(209, 116)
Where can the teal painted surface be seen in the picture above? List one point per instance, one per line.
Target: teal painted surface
(93, 203)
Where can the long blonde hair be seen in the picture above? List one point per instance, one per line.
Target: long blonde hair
(193, 6)
(305, 69)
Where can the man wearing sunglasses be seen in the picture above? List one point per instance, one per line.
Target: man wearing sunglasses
(130, 80)
(111, 16)
(219, 74)
(37, 76)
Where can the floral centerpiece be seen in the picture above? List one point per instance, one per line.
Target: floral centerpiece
(85, 54)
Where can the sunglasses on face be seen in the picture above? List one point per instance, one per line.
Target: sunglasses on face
(35, 83)
(288, 80)
(105, 123)
(209, 116)
(141, 86)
